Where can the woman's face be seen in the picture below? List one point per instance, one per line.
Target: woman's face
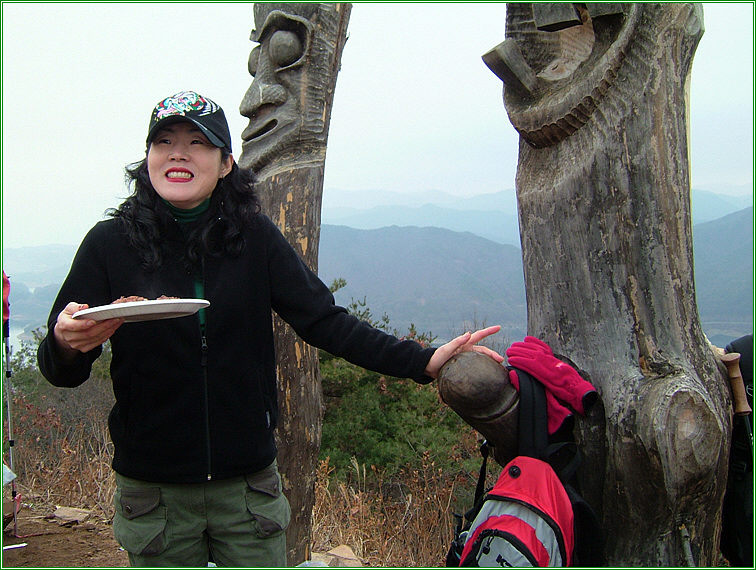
(184, 166)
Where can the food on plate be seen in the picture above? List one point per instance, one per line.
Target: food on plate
(134, 298)
(129, 299)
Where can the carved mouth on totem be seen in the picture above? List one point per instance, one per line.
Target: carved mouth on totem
(555, 72)
(260, 123)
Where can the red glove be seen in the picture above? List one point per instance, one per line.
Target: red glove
(559, 378)
(533, 343)
(556, 413)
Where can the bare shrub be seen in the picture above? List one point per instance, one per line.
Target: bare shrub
(62, 450)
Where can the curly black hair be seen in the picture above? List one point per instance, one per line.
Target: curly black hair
(233, 204)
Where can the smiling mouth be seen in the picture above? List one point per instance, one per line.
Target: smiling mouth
(179, 175)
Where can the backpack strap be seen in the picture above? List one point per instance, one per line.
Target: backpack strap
(480, 487)
(462, 525)
(564, 457)
(533, 438)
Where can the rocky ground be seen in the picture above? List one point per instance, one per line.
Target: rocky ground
(50, 542)
(70, 539)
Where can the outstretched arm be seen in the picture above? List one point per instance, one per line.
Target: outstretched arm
(463, 343)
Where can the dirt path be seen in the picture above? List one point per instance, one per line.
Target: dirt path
(50, 544)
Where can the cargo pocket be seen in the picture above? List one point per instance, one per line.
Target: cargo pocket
(139, 521)
(266, 502)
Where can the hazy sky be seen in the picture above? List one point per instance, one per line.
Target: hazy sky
(415, 107)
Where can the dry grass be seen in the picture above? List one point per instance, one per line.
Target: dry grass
(406, 522)
(60, 462)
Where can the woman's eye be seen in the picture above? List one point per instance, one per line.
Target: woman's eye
(284, 48)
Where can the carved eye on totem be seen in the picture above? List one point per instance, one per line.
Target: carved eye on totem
(285, 48)
(254, 60)
(281, 48)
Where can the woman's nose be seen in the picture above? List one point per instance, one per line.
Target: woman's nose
(178, 152)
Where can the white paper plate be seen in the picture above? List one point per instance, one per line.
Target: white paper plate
(134, 311)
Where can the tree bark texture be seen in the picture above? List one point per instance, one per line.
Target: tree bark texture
(603, 189)
(289, 106)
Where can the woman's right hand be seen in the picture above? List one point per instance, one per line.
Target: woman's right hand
(74, 335)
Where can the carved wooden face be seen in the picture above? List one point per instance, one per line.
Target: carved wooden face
(558, 58)
(275, 102)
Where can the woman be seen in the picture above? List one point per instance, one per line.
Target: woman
(196, 408)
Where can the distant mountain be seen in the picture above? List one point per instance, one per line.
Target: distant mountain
(398, 279)
(339, 198)
(35, 274)
(723, 254)
(441, 280)
(495, 225)
(334, 198)
(493, 216)
(707, 206)
(40, 265)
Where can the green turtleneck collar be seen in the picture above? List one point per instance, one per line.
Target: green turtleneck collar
(184, 217)
(190, 215)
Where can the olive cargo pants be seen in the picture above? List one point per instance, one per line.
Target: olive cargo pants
(233, 522)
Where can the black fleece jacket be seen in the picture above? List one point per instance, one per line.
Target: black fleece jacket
(190, 408)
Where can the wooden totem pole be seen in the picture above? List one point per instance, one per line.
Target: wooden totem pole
(289, 106)
(598, 94)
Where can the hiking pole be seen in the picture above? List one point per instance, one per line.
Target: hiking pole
(6, 385)
(11, 442)
(739, 398)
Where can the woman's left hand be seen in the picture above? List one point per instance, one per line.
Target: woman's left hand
(462, 343)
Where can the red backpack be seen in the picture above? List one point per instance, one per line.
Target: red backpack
(533, 515)
(526, 520)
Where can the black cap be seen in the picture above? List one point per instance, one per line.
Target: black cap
(191, 106)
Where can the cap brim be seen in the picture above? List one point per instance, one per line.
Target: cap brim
(181, 118)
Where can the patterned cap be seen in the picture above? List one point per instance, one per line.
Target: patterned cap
(191, 106)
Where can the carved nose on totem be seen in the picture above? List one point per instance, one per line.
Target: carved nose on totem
(260, 94)
(509, 65)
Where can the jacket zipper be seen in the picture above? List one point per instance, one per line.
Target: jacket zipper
(203, 357)
(207, 405)
(206, 387)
